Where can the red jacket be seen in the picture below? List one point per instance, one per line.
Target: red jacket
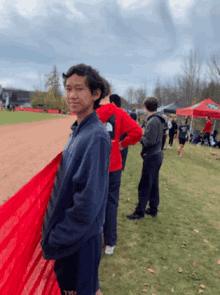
(118, 122)
(208, 127)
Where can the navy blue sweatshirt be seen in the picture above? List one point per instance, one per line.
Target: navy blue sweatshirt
(76, 209)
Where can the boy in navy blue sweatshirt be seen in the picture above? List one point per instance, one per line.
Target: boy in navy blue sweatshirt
(74, 219)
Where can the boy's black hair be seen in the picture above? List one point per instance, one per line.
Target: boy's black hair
(151, 104)
(116, 99)
(208, 117)
(93, 80)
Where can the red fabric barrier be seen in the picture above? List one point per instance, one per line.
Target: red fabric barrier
(53, 111)
(23, 271)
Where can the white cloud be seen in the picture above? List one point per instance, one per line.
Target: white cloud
(5, 82)
(180, 9)
(169, 67)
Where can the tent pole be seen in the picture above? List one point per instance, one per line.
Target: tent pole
(213, 126)
(191, 125)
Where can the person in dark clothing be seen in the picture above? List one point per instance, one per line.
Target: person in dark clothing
(172, 132)
(182, 133)
(214, 136)
(207, 131)
(133, 115)
(117, 122)
(148, 189)
(73, 222)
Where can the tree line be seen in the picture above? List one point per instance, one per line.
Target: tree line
(197, 80)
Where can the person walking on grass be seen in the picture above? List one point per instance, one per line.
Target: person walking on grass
(182, 133)
(207, 130)
(172, 132)
(118, 122)
(73, 223)
(148, 189)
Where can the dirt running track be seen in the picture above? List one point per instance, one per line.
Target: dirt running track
(27, 148)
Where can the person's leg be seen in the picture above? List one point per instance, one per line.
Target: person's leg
(171, 139)
(170, 135)
(124, 154)
(89, 256)
(154, 193)
(163, 141)
(208, 137)
(149, 172)
(203, 138)
(110, 225)
(180, 152)
(66, 273)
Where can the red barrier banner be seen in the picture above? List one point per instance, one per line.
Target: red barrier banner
(23, 270)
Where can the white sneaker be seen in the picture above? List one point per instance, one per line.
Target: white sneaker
(109, 250)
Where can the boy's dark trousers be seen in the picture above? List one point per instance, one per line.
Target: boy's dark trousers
(148, 189)
(124, 154)
(79, 272)
(171, 137)
(163, 140)
(207, 135)
(110, 225)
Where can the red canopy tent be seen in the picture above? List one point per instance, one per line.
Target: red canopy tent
(202, 109)
(205, 108)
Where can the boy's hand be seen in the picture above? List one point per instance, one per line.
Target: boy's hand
(120, 146)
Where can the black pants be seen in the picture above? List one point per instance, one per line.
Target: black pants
(207, 135)
(171, 137)
(164, 140)
(110, 225)
(124, 154)
(148, 189)
(79, 272)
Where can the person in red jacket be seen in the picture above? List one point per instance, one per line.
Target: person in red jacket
(207, 130)
(117, 122)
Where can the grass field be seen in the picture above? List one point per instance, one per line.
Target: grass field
(182, 245)
(17, 117)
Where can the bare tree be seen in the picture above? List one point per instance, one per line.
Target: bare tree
(140, 96)
(214, 67)
(158, 92)
(189, 81)
(130, 95)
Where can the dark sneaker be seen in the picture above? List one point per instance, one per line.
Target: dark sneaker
(135, 215)
(148, 212)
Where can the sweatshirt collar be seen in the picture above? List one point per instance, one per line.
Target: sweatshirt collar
(87, 120)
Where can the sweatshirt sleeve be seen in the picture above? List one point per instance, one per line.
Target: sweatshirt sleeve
(151, 133)
(91, 181)
(133, 130)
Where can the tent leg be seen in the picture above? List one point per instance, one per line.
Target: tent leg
(214, 126)
(191, 126)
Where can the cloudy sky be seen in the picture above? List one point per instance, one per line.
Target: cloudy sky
(127, 41)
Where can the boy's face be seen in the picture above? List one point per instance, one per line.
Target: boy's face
(78, 96)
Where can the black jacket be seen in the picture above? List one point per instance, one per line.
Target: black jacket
(152, 137)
